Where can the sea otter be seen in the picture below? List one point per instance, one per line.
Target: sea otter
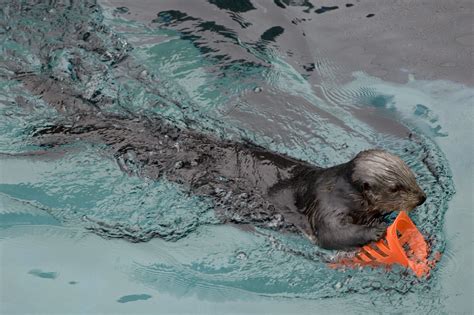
(340, 207)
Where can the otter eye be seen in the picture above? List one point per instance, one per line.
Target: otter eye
(366, 186)
(394, 189)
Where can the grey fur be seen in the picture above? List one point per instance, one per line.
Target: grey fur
(345, 204)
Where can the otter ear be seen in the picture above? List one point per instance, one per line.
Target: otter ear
(368, 193)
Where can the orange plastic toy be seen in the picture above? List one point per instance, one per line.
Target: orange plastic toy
(402, 245)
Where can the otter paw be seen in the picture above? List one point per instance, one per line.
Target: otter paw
(377, 232)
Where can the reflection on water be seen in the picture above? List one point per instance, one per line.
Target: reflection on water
(214, 76)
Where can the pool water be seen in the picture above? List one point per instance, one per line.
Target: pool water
(272, 86)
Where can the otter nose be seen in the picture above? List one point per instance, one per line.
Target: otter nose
(422, 199)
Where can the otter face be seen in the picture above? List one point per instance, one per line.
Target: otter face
(386, 182)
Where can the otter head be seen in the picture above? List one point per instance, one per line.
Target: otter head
(386, 182)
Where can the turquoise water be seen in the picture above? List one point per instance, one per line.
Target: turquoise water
(54, 200)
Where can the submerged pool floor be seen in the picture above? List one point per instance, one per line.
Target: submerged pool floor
(59, 62)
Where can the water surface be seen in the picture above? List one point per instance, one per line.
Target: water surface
(267, 85)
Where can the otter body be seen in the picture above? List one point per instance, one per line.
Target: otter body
(338, 207)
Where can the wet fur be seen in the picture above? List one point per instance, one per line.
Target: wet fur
(338, 208)
(251, 184)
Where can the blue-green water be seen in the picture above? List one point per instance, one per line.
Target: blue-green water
(51, 262)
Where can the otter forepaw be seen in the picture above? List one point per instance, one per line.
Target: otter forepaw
(377, 232)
